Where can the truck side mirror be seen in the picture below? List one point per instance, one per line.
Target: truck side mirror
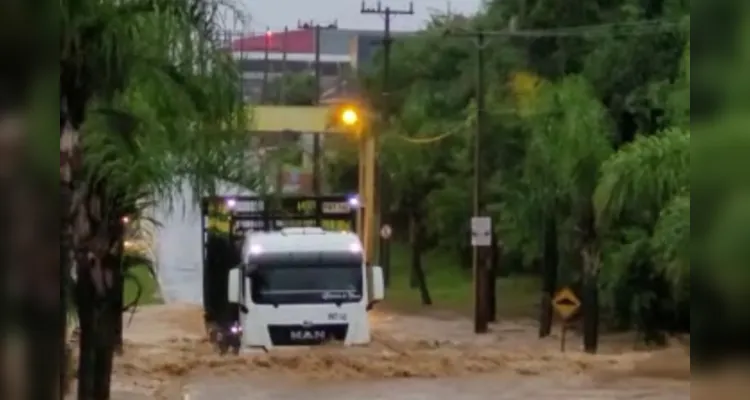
(378, 284)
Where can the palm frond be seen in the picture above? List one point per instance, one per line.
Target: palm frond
(571, 136)
(643, 175)
(670, 242)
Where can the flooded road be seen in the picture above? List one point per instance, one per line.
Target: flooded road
(496, 387)
(411, 358)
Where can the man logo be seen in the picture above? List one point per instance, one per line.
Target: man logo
(307, 335)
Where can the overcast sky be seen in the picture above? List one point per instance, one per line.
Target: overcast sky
(278, 13)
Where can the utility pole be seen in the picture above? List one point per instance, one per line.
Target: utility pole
(317, 150)
(316, 135)
(266, 62)
(480, 258)
(282, 88)
(490, 259)
(380, 190)
(241, 63)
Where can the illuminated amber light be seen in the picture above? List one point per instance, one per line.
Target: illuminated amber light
(349, 117)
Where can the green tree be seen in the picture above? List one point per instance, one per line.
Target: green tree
(147, 101)
(560, 106)
(293, 89)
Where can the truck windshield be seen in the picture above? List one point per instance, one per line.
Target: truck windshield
(307, 284)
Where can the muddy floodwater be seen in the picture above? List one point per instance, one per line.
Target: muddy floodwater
(411, 358)
(499, 387)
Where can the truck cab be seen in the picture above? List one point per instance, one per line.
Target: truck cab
(303, 286)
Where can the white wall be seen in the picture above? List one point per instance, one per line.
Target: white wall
(177, 247)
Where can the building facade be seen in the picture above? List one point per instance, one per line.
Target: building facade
(267, 56)
(264, 57)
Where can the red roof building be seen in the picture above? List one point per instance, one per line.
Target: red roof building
(296, 41)
(266, 56)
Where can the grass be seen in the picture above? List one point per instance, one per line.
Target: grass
(149, 287)
(451, 287)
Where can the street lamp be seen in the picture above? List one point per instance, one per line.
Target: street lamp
(349, 116)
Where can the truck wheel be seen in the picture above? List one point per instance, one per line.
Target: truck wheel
(213, 335)
(223, 347)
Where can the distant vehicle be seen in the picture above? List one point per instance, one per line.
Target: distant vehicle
(303, 286)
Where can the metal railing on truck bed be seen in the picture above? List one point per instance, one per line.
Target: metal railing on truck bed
(226, 219)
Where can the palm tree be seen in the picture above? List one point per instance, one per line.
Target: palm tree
(642, 204)
(147, 102)
(652, 175)
(569, 139)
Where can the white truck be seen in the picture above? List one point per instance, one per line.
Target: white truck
(303, 286)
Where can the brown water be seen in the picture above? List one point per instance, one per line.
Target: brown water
(496, 386)
(411, 358)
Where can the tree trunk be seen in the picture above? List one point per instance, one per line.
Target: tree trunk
(591, 262)
(492, 275)
(590, 294)
(416, 258)
(99, 311)
(66, 266)
(95, 284)
(113, 262)
(590, 298)
(85, 303)
(415, 255)
(100, 281)
(70, 164)
(550, 261)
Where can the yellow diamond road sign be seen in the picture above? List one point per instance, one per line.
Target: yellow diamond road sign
(566, 303)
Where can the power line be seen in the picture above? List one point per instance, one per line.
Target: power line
(634, 28)
(427, 140)
(421, 141)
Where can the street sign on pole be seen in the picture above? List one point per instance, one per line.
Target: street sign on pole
(481, 231)
(566, 303)
(386, 232)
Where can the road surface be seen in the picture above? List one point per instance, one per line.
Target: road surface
(412, 358)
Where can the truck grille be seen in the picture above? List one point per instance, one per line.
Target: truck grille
(306, 335)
